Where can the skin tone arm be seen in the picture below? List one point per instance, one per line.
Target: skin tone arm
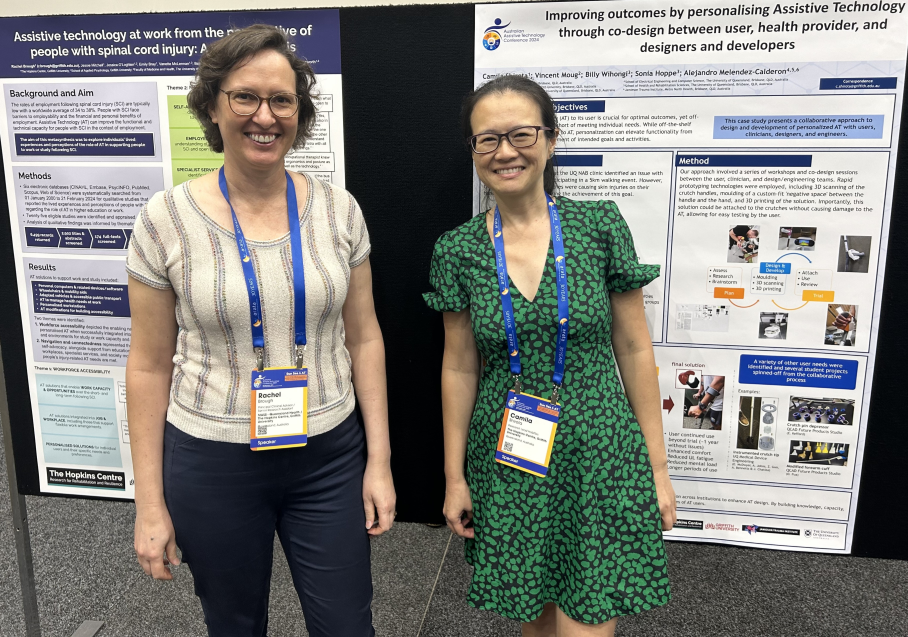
(704, 398)
(367, 351)
(148, 375)
(460, 370)
(634, 354)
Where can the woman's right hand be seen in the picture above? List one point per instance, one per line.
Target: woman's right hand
(458, 509)
(155, 541)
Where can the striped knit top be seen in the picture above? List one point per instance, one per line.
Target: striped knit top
(176, 245)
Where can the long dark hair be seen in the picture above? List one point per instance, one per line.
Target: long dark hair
(524, 86)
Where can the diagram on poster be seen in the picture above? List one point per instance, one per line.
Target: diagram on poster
(94, 122)
(751, 149)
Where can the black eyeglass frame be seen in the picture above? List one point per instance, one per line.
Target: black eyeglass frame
(471, 141)
(260, 99)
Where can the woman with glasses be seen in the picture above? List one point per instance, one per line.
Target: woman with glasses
(252, 323)
(556, 476)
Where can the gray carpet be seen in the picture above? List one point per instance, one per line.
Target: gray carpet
(85, 569)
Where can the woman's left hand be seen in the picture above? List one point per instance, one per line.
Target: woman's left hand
(666, 495)
(379, 498)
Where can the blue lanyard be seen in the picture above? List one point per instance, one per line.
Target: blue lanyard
(507, 308)
(252, 286)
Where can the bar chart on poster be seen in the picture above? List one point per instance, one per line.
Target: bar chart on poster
(751, 149)
(95, 121)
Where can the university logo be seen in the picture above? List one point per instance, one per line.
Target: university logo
(491, 38)
(751, 529)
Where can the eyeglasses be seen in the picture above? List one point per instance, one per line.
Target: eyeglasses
(518, 138)
(246, 103)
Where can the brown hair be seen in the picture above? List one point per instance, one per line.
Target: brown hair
(524, 86)
(234, 50)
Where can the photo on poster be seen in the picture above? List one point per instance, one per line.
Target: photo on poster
(702, 318)
(820, 453)
(773, 325)
(757, 418)
(703, 407)
(687, 379)
(841, 324)
(797, 238)
(743, 244)
(854, 254)
(829, 411)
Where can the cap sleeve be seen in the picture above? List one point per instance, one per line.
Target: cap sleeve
(444, 276)
(360, 236)
(624, 271)
(146, 257)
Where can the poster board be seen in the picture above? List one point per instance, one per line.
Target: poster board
(752, 149)
(93, 121)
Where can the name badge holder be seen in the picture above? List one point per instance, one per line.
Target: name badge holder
(530, 422)
(280, 395)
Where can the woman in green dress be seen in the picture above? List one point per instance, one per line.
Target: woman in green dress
(567, 553)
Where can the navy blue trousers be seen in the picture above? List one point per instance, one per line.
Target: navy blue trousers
(226, 502)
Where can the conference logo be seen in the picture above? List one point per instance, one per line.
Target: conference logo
(491, 38)
(512, 403)
(257, 383)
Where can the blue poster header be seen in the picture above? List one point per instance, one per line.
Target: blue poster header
(151, 43)
(578, 160)
(759, 161)
(855, 83)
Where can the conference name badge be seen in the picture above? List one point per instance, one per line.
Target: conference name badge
(527, 433)
(280, 398)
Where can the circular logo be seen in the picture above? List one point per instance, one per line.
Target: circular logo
(808, 533)
(491, 40)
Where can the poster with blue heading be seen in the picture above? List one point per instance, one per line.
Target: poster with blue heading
(93, 121)
(752, 150)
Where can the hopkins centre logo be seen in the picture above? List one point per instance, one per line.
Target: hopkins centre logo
(491, 38)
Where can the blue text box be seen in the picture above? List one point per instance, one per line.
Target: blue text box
(775, 268)
(85, 144)
(579, 106)
(754, 127)
(795, 371)
(759, 161)
(855, 83)
(578, 160)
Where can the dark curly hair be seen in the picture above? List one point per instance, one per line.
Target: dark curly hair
(224, 55)
(524, 86)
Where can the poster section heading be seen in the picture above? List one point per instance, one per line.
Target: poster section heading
(88, 121)
(687, 31)
(151, 44)
(76, 209)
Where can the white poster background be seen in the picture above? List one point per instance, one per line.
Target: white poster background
(650, 84)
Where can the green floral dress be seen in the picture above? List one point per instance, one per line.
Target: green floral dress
(588, 536)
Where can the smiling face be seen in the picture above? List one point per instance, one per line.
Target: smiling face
(259, 140)
(508, 171)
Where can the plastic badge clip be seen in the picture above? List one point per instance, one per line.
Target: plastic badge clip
(555, 390)
(300, 353)
(260, 358)
(518, 386)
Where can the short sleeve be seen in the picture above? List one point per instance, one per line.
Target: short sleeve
(624, 271)
(444, 276)
(146, 257)
(361, 246)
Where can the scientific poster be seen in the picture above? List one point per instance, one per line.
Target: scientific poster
(752, 148)
(93, 120)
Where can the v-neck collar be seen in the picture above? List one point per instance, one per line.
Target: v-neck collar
(487, 241)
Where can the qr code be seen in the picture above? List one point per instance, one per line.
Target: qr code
(261, 431)
(509, 446)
